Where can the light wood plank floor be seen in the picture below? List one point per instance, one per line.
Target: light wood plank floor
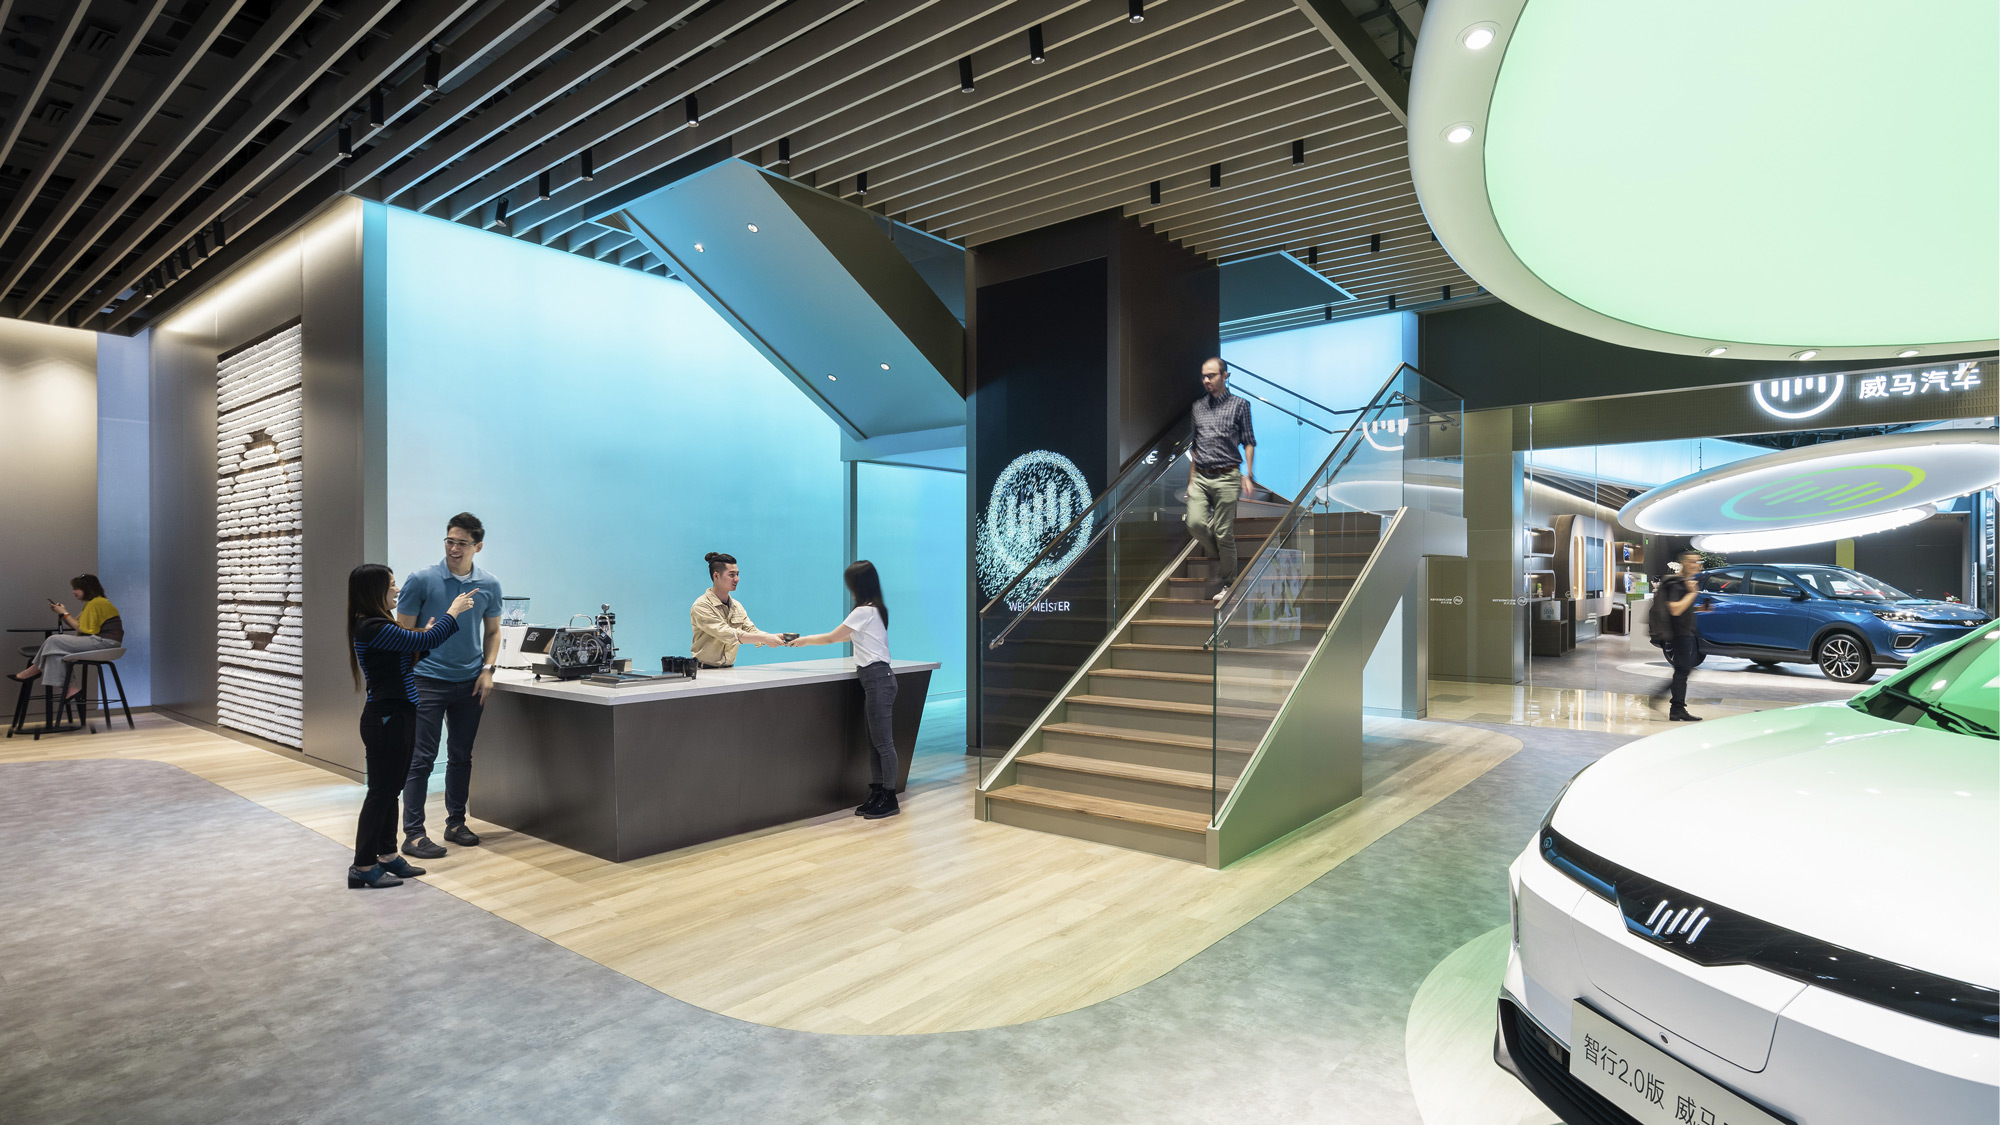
(931, 921)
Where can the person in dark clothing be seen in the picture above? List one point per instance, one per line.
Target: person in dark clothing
(385, 655)
(1683, 641)
(868, 629)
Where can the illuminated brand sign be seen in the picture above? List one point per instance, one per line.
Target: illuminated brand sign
(1666, 924)
(1386, 434)
(1806, 396)
(1034, 502)
(1820, 493)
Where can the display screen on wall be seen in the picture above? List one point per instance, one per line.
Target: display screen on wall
(260, 445)
(1593, 567)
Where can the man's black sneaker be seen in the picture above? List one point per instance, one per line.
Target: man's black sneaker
(421, 847)
(1683, 717)
(462, 836)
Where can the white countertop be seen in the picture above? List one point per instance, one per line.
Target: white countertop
(709, 681)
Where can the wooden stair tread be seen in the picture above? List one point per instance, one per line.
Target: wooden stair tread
(1142, 674)
(1152, 737)
(1169, 705)
(1131, 771)
(1203, 623)
(1146, 646)
(1105, 807)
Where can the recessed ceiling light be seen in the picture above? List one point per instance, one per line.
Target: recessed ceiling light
(698, 249)
(1806, 354)
(753, 228)
(1477, 37)
(1907, 353)
(831, 379)
(1458, 134)
(1716, 350)
(885, 367)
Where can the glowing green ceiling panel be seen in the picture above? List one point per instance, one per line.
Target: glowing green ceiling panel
(1800, 174)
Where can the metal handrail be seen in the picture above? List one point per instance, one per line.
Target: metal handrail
(1241, 370)
(1282, 410)
(1238, 588)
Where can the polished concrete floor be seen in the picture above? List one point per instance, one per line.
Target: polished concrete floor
(172, 952)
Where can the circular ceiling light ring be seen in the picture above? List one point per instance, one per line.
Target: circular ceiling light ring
(1817, 483)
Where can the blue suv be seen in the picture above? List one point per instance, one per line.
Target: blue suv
(1842, 620)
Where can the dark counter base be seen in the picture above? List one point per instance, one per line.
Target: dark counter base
(621, 781)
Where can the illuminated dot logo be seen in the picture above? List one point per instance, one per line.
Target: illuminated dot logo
(1823, 492)
(1799, 396)
(1033, 500)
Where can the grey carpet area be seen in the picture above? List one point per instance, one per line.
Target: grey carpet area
(172, 952)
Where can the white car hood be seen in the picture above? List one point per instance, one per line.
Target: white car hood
(1877, 836)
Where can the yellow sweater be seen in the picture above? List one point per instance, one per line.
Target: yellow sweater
(95, 613)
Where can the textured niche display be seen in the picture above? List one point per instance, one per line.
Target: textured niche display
(259, 502)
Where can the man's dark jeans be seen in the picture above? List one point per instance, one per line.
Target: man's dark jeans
(1682, 652)
(442, 704)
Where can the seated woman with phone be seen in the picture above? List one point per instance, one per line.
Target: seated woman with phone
(97, 626)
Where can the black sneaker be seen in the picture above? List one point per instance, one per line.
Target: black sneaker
(461, 835)
(1683, 717)
(421, 847)
(887, 806)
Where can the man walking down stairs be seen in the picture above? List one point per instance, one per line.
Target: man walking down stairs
(1221, 425)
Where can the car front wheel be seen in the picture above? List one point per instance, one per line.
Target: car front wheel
(1844, 657)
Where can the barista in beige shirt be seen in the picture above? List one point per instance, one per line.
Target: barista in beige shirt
(720, 621)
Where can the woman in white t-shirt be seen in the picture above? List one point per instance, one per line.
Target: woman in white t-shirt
(868, 628)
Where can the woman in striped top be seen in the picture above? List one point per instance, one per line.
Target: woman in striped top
(386, 655)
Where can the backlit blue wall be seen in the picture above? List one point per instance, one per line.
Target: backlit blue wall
(609, 429)
(1341, 365)
(910, 522)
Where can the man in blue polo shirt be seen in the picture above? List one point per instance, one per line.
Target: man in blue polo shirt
(452, 682)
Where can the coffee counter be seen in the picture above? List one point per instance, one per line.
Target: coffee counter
(624, 772)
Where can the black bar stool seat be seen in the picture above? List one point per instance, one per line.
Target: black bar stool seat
(103, 660)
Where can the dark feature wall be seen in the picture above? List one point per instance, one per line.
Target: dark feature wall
(1496, 355)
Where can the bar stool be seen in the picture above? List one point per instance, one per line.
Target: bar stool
(104, 659)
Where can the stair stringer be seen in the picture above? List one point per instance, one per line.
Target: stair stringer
(1309, 762)
(1099, 659)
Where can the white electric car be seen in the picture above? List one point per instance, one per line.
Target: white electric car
(1788, 916)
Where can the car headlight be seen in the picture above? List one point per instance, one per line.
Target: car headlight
(1895, 615)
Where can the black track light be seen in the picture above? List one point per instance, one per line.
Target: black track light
(376, 118)
(1214, 176)
(1329, 312)
(1035, 54)
(1374, 244)
(433, 71)
(346, 143)
(541, 187)
(221, 235)
(1135, 11)
(201, 244)
(784, 152)
(965, 75)
(1154, 194)
(693, 111)
(861, 183)
(1392, 301)
(586, 165)
(1447, 292)
(1312, 255)
(1298, 152)
(500, 213)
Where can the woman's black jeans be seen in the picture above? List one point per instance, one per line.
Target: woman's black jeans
(389, 733)
(878, 704)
